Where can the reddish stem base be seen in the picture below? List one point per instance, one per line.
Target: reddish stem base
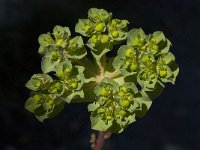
(100, 141)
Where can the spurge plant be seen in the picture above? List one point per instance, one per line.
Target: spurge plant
(118, 89)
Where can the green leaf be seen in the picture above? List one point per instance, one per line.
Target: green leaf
(38, 81)
(118, 24)
(93, 106)
(48, 65)
(98, 15)
(45, 40)
(106, 81)
(60, 32)
(88, 89)
(159, 36)
(153, 93)
(98, 49)
(85, 27)
(54, 111)
(99, 125)
(74, 97)
(76, 49)
(42, 50)
(136, 37)
(168, 57)
(31, 105)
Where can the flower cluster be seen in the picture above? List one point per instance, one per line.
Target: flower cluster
(48, 95)
(147, 58)
(116, 106)
(104, 32)
(58, 47)
(120, 89)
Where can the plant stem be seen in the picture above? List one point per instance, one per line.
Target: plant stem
(100, 140)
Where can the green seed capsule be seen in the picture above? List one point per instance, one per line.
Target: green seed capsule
(144, 76)
(129, 52)
(163, 73)
(104, 39)
(125, 104)
(152, 76)
(36, 97)
(74, 85)
(94, 39)
(59, 73)
(115, 34)
(108, 117)
(99, 27)
(51, 102)
(155, 47)
(123, 113)
(145, 58)
(86, 28)
(133, 67)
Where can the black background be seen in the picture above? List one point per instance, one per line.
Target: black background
(173, 122)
